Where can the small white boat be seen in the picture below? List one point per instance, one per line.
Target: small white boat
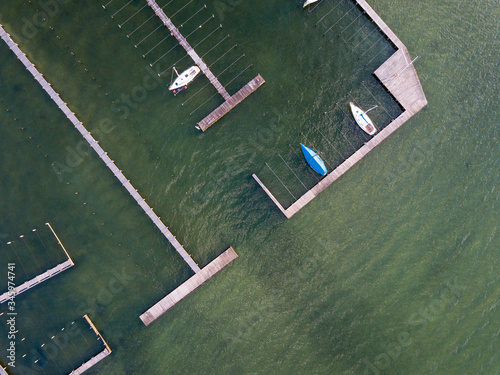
(309, 2)
(184, 79)
(362, 119)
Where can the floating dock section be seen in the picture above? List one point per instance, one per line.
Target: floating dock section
(99, 150)
(400, 78)
(188, 286)
(230, 101)
(40, 278)
(99, 357)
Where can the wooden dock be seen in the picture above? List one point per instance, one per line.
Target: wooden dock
(191, 52)
(99, 357)
(94, 328)
(188, 286)
(98, 149)
(37, 280)
(93, 361)
(400, 78)
(232, 102)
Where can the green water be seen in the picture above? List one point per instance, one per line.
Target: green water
(391, 270)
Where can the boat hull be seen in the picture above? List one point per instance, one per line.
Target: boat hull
(309, 2)
(362, 119)
(314, 160)
(185, 78)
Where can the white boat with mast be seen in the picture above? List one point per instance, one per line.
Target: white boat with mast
(309, 2)
(184, 79)
(362, 119)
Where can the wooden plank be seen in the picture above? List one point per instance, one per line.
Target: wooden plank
(188, 286)
(99, 150)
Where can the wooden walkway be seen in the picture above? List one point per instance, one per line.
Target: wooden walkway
(189, 286)
(37, 280)
(399, 76)
(99, 150)
(191, 52)
(232, 102)
(99, 357)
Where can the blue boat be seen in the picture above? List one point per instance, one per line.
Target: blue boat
(314, 160)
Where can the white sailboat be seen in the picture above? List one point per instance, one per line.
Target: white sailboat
(362, 119)
(184, 79)
(309, 2)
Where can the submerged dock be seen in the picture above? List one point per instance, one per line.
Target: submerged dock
(188, 286)
(398, 75)
(99, 150)
(230, 101)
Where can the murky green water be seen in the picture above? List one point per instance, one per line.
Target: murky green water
(392, 270)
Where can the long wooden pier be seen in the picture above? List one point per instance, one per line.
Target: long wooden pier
(99, 357)
(99, 150)
(190, 50)
(188, 286)
(400, 78)
(37, 280)
(230, 101)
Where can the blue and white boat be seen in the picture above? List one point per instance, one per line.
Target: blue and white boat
(314, 160)
(362, 119)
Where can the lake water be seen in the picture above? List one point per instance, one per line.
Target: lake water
(391, 270)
